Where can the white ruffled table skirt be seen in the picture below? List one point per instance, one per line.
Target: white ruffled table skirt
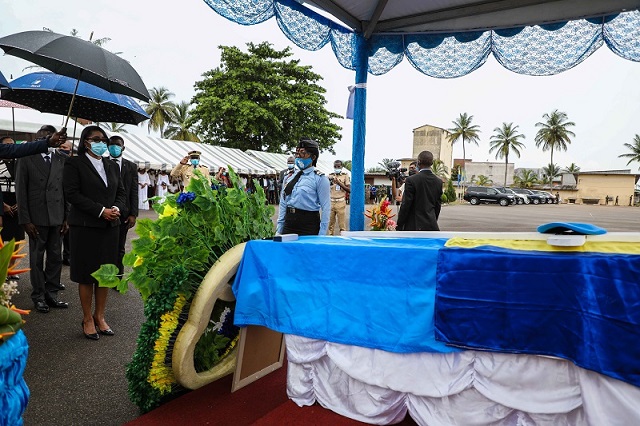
(464, 388)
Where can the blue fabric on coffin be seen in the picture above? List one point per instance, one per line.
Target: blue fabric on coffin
(376, 293)
(578, 306)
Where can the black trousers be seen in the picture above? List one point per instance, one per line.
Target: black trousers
(124, 229)
(301, 222)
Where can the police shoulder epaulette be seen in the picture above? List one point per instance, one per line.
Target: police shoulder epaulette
(318, 172)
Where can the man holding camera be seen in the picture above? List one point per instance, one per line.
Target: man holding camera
(421, 198)
(340, 187)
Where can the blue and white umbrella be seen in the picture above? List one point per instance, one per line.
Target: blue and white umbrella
(52, 93)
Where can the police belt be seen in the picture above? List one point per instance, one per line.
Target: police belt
(296, 211)
(337, 199)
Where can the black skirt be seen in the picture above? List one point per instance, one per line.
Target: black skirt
(10, 227)
(90, 248)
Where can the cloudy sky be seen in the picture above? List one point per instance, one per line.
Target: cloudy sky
(173, 43)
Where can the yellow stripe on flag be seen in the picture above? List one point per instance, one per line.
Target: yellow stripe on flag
(541, 245)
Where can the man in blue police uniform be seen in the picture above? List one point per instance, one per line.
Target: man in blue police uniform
(305, 201)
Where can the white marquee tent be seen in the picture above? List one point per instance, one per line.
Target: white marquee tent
(157, 153)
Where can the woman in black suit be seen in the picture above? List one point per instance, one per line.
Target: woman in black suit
(93, 188)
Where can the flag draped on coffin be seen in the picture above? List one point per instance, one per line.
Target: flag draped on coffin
(581, 306)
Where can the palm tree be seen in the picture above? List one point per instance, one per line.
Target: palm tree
(386, 162)
(634, 155)
(347, 164)
(551, 171)
(180, 129)
(571, 168)
(505, 140)
(526, 179)
(113, 127)
(554, 133)
(439, 169)
(468, 133)
(483, 180)
(161, 110)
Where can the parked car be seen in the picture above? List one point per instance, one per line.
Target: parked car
(533, 197)
(520, 198)
(553, 198)
(481, 194)
(548, 197)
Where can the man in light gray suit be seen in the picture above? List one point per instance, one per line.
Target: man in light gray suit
(42, 213)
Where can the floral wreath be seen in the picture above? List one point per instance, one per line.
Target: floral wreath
(169, 261)
(380, 216)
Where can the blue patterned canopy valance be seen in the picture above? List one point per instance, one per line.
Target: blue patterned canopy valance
(534, 50)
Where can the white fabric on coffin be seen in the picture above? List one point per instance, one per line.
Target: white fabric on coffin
(485, 387)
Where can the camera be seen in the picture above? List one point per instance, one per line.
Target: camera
(394, 171)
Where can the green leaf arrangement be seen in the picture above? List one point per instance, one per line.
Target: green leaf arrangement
(168, 261)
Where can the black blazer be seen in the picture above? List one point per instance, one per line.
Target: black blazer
(129, 175)
(39, 191)
(87, 194)
(421, 202)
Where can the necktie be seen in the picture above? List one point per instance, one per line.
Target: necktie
(47, 161)
(292, 183)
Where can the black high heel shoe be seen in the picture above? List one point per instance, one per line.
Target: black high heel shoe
(107, 332)
(90, 336)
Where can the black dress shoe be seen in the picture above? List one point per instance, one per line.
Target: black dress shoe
(42, 307)
(66, 262)
(55, 303)
(90, 336)
(58, 286)
(107, 332)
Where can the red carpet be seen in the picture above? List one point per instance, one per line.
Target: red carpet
(262, 403)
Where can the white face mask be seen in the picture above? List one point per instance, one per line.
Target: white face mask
(337, 171)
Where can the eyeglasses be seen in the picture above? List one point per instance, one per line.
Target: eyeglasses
(302, 153)
(97, 139)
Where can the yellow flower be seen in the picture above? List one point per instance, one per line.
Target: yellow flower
(168, 211)
(153, 237)
(138, 261)
(160, 374)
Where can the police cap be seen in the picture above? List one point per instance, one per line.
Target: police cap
(194, 154)
(311, 147)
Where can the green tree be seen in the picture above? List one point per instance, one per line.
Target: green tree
(262, 100)
(347, 164)
(551, 171)
(634, 148)
(113, 127)
(455, 170)
(450, 192)
(506, 139)
(554, 133)
(483, 180)
(439, 169)
(526, 178)
(571, 168)
(465, 131)
(180, 129)
(161, 110)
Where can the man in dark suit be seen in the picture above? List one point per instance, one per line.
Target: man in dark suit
(421, 198)
(41, 211)
(129, 173)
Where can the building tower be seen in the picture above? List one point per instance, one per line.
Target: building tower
(434, 139)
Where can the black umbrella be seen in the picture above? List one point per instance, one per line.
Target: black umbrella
(76, 58)
(52, 93)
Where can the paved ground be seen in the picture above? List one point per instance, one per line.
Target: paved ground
(75, 381)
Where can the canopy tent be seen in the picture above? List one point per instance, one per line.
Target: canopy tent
(444, 39)
(279, 161)
(22, 128)
(158, 153)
